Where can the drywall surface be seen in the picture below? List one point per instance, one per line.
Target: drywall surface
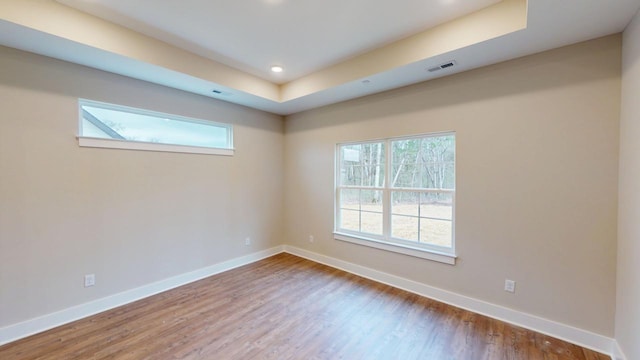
(628, 299)
(537, 177)
(129, 217)
(67, 23)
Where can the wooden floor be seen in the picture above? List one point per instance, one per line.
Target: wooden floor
(286, 307)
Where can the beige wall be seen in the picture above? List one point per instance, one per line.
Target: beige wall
(537, 172)
(628, 287)
(536, 194)
(130, 217)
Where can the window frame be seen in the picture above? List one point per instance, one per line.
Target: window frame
(96, 142)
(386, 241)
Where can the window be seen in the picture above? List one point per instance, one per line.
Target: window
(398, 194)
(114, 126)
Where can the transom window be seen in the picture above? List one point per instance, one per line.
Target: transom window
(398, 191)
(130, 128)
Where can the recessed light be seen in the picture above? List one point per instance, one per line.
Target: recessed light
(277, 69)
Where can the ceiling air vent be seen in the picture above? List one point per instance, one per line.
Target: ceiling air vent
(446, 65)
(220, 92)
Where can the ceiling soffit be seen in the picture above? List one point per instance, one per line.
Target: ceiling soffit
(91, 41)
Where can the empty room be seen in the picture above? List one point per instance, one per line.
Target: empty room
(279, 179)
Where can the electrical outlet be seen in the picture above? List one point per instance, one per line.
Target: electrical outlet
(510, 286)
(311, 239)
(89, 280)
(247, 241)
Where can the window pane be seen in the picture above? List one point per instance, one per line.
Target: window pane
(436, 232)
(437, 162)
(405, 203)
(372, 223)
(371, 200)
(350, 199)
(362, 164)
(436, 205)
(404, 227)
(350, 168)
(350, 220)
(405, 160)
(371, 205)
(406, 176)
(133, 125)
(426, 163)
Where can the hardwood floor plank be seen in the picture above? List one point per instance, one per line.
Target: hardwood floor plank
(286, 307)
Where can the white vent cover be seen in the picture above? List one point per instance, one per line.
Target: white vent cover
(443, 66)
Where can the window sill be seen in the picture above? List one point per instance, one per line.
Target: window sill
(444, 258)
(84, 141)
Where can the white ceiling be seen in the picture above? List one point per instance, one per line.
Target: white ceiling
(328, 48)
(302, 36)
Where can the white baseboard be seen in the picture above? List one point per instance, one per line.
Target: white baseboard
(33, 326)
(618, 354)
(564, 332)
(568, 333)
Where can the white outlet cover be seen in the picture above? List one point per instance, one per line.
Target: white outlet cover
(510, 286)
(89, 280)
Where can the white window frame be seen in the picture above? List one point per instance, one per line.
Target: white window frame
(386, 241)
(87, 141)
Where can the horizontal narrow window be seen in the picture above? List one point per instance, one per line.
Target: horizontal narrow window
(115, 126)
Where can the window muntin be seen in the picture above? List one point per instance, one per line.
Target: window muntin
(416, 209)
(120, 123)
(424, 217)
(360, 212)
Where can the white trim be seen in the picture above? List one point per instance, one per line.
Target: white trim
(398, 248)
(385, 240)
(401, 137)
(568, 333)
(618, 354)
(33, 326)
(85, 141)
(564, 332)
(153, 146)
